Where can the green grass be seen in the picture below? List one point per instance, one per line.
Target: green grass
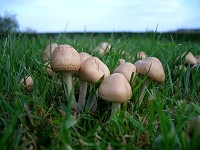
(160, 121)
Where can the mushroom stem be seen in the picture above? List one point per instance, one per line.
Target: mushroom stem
(67, 78)
(82, 94)
(115, 108)
(143, 91)
(93, 106)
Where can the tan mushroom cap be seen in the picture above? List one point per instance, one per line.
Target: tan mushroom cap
(152, 67)
(141, 55)
(65, 58)
(46, 55)
(115, 88)
(126, 69)
(103, 47)
(84, 56)
(92, 70)
(189, 58)
(47, 68)
(27, 82)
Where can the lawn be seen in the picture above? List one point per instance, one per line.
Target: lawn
(41, 118)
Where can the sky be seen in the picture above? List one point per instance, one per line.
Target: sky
(103, 15)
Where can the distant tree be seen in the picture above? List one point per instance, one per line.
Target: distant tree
(8, 23)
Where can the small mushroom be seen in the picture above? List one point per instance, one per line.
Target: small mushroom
(141, 55)
(48, 51)
(189, 58)
(66, 59)
(27, 82)
(92, 70)
(103, 48)
(116, 89)
(127, 69)
(153, 69)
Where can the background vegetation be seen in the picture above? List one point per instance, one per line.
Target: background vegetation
(161, 121)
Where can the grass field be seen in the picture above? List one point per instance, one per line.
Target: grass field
(160, 121)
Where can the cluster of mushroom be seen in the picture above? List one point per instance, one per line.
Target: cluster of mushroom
(114, 88)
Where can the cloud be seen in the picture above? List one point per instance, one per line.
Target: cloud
(96, 15)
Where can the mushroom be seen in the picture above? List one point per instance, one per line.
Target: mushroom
(186, 58)
(103, 48)
(27, 82)
(92, 70)
(116, 89)
(141, 55)
(126, 69)
(66, 59)
(46, 55)
(153, 69)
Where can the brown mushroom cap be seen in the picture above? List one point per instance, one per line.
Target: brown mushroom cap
(46, 55)
(141, 55)
(189, 58)
(103, 47)
(152, 67)
(84, 56)
(27, 82)
(115, 88)
(126, 69)
(65, 58)
(92, 69)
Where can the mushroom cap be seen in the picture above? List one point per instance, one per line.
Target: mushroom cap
(141, 55)
(103, 47)
(65, 58)
(126, 69)
(115, 88)
(189, 58)
(84, 56)
(27, 82)
(152, 67)
(47, 68)
(92, 70)
(46, 55)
